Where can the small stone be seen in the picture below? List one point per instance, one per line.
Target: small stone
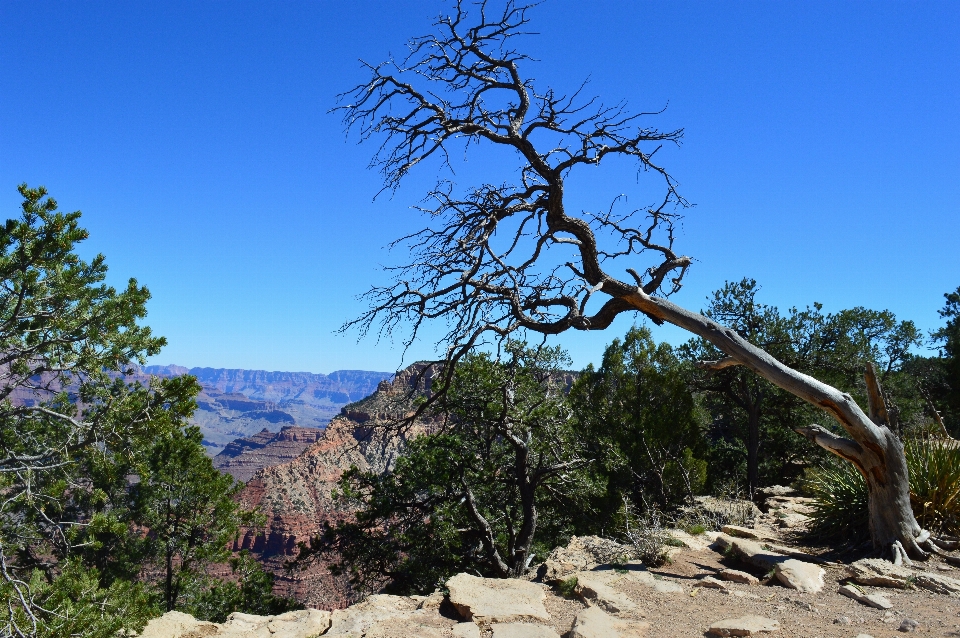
(944, 568)
(841, 620)
(864, 636)
(909, 625)
(744, 626)
(710, 582)
(521, 630)
(737, 576)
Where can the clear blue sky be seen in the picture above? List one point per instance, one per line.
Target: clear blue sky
(822, 152)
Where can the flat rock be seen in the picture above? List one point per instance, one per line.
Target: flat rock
(938, 583)
(593, 622)
(595, 587)
(736, 576)
(175, 624)
(747, 532)
(358, 619)
(879, 573)
(698, 542)
(641, 576)
(492, 600)
(466, 630)
(871, 600)
(522, 630)
(744, 626)
(804, 577)
(710, 582)
(750, 552)
(304, 623)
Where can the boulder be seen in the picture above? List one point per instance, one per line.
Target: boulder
(799, 575)
(750, 552)
(737, 576)
(871, 600)
(493, 600)
(522, 630)
(804, 577)
(744, 626)
(358, 619)
(175, 624)
(304, 623)
(583, 553)
(593, 622)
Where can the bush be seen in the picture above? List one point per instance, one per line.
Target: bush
(74, 604)
(841, 509)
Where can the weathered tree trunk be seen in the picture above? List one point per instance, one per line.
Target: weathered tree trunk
(873, 447)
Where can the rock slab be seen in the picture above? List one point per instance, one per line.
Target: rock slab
(744, 626)
(593, 622)
(522, 630)
(306, 623)
(736, 576)
(871, 600)
(804, 577)
(492, 600)
(594, 587)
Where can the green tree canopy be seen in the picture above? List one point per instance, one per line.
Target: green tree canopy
(484, 493)
(643, 426)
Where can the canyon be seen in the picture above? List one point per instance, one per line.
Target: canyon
(297, 496)
(239, 403)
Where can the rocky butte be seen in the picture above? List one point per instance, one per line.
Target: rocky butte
(296, 496)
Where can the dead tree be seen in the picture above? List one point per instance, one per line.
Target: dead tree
(501, 258)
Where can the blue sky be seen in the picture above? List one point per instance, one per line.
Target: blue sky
(822, 151)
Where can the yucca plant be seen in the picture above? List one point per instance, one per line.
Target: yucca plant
(840, 508)
(935, 484)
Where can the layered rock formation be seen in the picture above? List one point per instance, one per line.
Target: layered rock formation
(296, 496)
(242, 458)
(240, 403)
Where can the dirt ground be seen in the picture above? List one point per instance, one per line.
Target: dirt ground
(823, 615)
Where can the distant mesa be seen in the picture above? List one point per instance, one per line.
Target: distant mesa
(242, 458)
(243, 403)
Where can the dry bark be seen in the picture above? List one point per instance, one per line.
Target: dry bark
(489, 263)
